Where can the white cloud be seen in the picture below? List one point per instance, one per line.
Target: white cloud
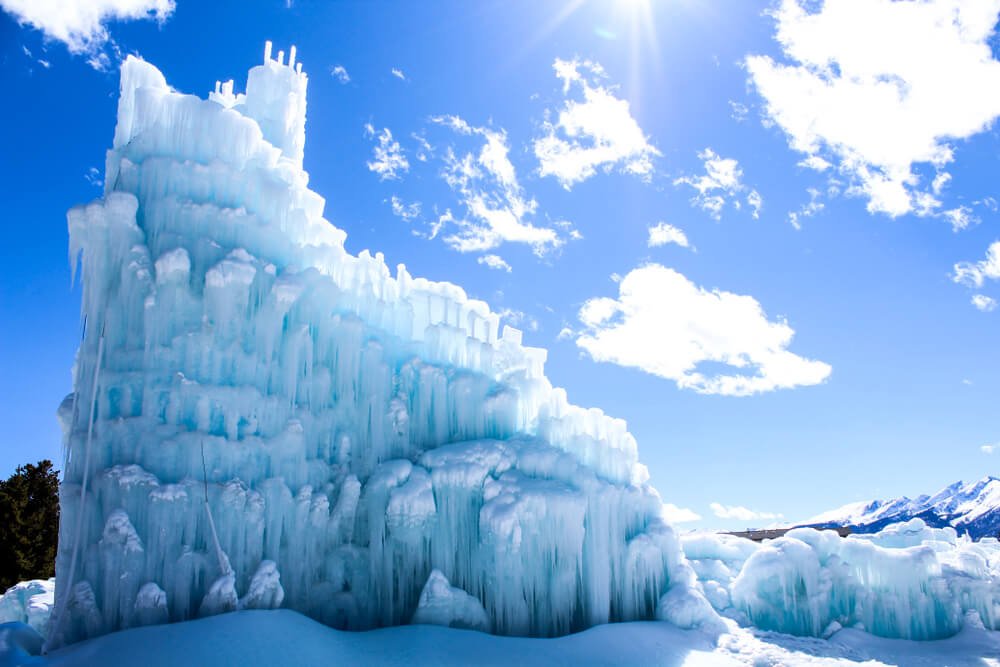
(673, 514)
(665, 325)
(407, 212)
(519, 319)
(497, 208)
(974, 274)
(494, 262)
(398, 73)
(597, 132)
(960, 218)
(989, 449)
(740, 513)
(722, 182)
(339, 72)
(661, 234)
(984, 303)
(82, 24)
(880, 86)
(93, 177)
(389, 161)
(808, 210)
(739, 111)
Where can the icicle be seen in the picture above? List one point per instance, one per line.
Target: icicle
(267, 51)
(291, 56)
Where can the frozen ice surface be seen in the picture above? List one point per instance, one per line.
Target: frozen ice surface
(278, 422)
(908, 581)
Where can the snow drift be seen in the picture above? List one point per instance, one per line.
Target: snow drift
(260, 418)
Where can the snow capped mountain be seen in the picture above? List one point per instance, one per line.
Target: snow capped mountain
(972, 508)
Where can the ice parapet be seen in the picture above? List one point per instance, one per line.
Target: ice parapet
(279, 422)
(908, 581)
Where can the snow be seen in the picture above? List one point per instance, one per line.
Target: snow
(278, 422)
(29, 602)
(282, 637)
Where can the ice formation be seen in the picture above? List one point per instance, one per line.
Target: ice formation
(907, 581)
(29, 602)
(260, 418)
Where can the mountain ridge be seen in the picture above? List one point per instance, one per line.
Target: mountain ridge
(970, 508)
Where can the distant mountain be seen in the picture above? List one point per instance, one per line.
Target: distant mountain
(972, 509)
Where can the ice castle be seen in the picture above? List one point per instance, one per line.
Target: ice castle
(260, 418)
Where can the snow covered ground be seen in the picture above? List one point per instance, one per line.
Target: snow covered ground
(283, 637)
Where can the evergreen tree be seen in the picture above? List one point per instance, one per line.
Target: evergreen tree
(29, 524)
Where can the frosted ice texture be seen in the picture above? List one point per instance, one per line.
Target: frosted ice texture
(907, 581)
(29, 602)
(356, 429)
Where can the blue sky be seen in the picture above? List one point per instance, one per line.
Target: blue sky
(759, 233)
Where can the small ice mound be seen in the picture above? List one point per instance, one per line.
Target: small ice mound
(265, 590)
(18, 643)
(688, 609)
(151, 605)
(221, 597)
(444, 604)
(29, 602)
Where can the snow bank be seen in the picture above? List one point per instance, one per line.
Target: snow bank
(29, 602)
(259, 395)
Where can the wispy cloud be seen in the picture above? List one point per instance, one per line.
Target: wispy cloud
(661, 234)
(595, 131)
(974, 274)
(673, 514)
(989, 449)
(339, 72)
(808, 210)
(398, 73)
(741, 513)
(984, 303)
(407, 212)
(721, 183)
(93, 177)
(494, 262)
(82, 24)
(663, 324)
(497, 209)
(878, 87)
(388, 158)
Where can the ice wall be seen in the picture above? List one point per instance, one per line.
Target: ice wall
(261, 418)
(908, 581)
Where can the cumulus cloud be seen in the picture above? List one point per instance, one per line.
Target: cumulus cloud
(82, 24)
(497, 208)
(721, 183)
(495, 262)
(673, 514)
(595, 131)
(661, 234)
(339, 72)
(973, 274)
(388, 158)
(740, 513)
(881, 86)
(984, 303)
(989, 449)
(665, 325)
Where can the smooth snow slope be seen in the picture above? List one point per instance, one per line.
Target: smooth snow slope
(262, 419)
(282, 638)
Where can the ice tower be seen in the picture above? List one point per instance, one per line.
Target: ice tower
(261, 419)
